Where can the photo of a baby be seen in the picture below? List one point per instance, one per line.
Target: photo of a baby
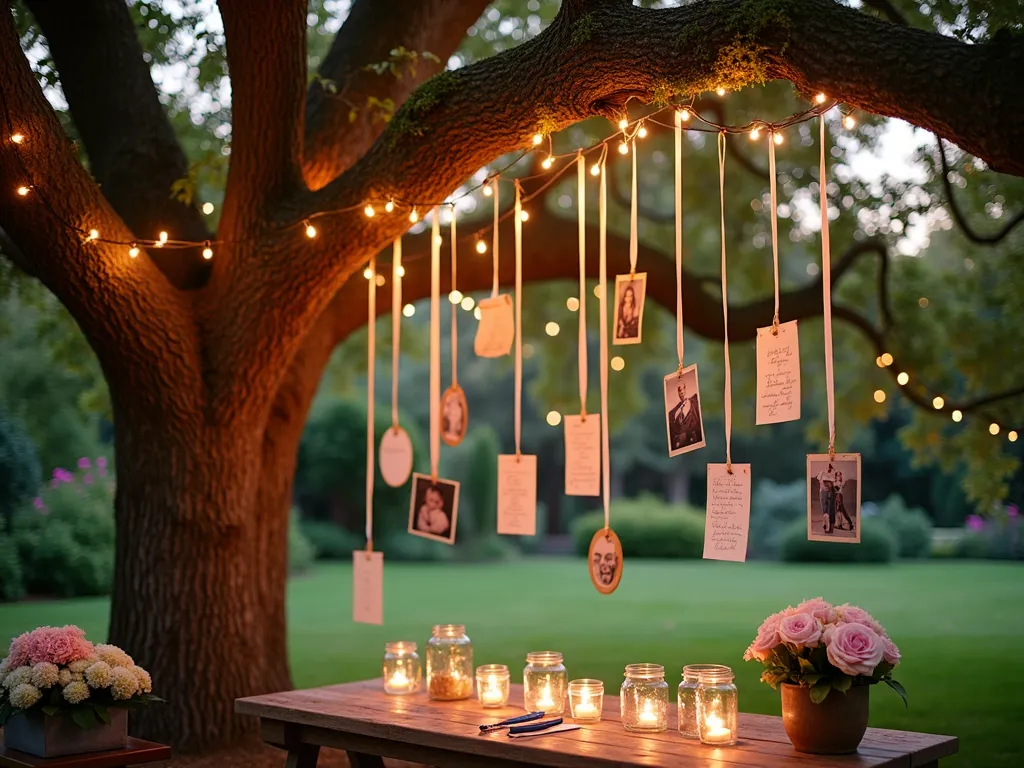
(434, 507)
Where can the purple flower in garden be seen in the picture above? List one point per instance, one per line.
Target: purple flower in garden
(975, 522)
(1013, 511)
(61, 475)
(37, 502)
(84, 463)
(101, 462)
(87, 479)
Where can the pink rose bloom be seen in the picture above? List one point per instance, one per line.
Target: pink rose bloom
(851, 614)
(801, 630)
(767, 638)
(59, 645)
(890, 652)
(819, 608)
(854, 648)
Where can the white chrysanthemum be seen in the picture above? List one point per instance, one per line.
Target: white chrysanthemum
(98, 675)
(77, 677)
(124, 684)
(17, 677)
(81, 665)
(5, 665)
(114, 656)
(64, 677)
(144, 680)
(24, 696)
(76, 692)
(45, 675)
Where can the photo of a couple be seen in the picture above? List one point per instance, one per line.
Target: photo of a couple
(833, 497)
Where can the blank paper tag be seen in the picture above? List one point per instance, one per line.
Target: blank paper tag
(583, 455)
(728, 513)
(778, 374)
(368, 587)
(517, 495)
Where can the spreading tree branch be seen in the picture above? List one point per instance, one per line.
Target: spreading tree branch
(961, 219)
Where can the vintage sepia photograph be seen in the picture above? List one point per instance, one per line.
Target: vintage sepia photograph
(833, 497)
(630, 292)
(433, 511)
(683, 420)
(605, 561)
(454, 415)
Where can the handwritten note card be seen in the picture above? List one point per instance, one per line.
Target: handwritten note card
(728, 514)
(517, 495)
(583, 455)
(778, 374)
(368, 587)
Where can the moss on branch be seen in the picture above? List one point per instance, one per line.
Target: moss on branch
(409, 119)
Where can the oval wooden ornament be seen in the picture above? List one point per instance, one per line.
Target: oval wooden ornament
(454, 415)
(395, 457)
(604, 559)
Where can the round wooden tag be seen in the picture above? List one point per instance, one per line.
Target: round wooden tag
(454, 415)
(605, 561)
(395, 457)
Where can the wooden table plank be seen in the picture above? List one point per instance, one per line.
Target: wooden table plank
(135, 752)
(361, 717)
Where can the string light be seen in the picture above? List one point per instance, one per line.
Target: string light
(408, 310)
(476, 313)
(878, 362)
(879, 396)
(720, 91)
(777, 137)
(438, 240)
(903, 378)
(368, 273)
(379, 280)
(595, 169)
(755, 134)
(552, 329)
(310, 230)
(368, 210)
(488, 191)
(207, 251)
(597, 290)
(207, 208)
(400, 271)
(554, 418)
(993, 428)
(94, 234)
(17, 138)
(537, 139)
(414, 216)
(524, 215)
(481, 246)
(623, 124)
(133, 251)
(161, 240)
(820, 98)
(618, 363)
(548, 162)
(1012, 436)
(572, 304)
(957, 416)
(642, 133)
(22, 190)
(684, 115)
(389, 206)
(937, 403)
(849, 123)
(455, 297)
(467, 303)
(623, 148)
(886, 359)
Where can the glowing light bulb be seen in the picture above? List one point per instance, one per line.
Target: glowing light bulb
(476, 313)
(414, 216)
(408, 310)
(17, 138)
(481, 246)
(548, 161)
(623, 148)
(777, 138)
(368, 273)
(937, 403)
(595, 169)
(820, 98)
(488, 191)
(207, 208)
(993, 428)
(133, 251)
(957, 416)
(455, 297)
(903, 378)
(623, 123)
(537, 139)
(524, 215)
(755, 134)
(642, 133)
(161, 240)
(552, 329)
(389, 206)
(438, 240)
(554, 418)
(685, 115)
(93, 234)
(379, 280)
(878, 362)
(400, 271)
(720, 91)
(597, 290)
(468, 303)
(22, 190)
(572, 304)
(207, 251)
(849, 123)
(368, 210)
(1012, 436)
(886, 359)
(879, 396)
(310, 231)
(618, 363)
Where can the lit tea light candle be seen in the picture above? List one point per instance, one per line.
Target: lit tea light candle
(399, 683)
(585, 709)
(544, 700)
(715, 731)
(402, 670)
(648, 715)
(492, 685)
(586, 698)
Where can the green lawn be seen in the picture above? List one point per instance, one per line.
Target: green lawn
(960, 627)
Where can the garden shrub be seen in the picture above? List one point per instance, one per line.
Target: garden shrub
(12, 583)
(911, 526)
(19, 467)
(301, 552)
(331, 541)
(1000, 537)
(773, 506)
(647, 527)
(877, 545)
(404, 546)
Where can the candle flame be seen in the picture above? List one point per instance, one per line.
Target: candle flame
(714, 722)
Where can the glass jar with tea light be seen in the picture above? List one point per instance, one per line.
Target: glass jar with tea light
(644, 698)
(717, 707)
(493, 683)
(544, 682)
(449, 663)
(403, 671)
(687, 698)
(586, 700)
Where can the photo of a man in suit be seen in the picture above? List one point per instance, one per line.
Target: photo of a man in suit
(682, 412)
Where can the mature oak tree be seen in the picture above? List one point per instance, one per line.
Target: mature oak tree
(212, 365)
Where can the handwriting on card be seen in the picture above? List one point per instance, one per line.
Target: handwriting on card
(368, 587)
(583, 455)
(727, 523)
(778, 374)
(517, 495)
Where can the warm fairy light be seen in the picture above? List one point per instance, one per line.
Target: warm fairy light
(552, 328)
(618, 363)
(642, 133)
(554, 418)
(957, 415)
(886, 359)
(310, 230)
(755, 134)
(438, 239)
(400, 271)
(476, 313)
(133, 251)
(879, 396)
(820, 98)
(455, 297)
(368, 210)
(878, 362)
(537, 139)
(161, 240)
(22, 190)
(481, 246)
(623, 148)
(368, 273)
(408, 310)
(207, 208)
(94, 234)
(777, 138)
(17, 138)
(597, 290)
(467, 303)
(1012, 436)
(488, 191)
(414, 216)
(379, 280)
(207, 251)
(685, 115)
(903, 378)
(524, 215)
(720, 91)
(389, 206)
(849, 123)
(573, 304)
(595, 169)
(623, 123)
(548, 161)
(993, 428)
(937, 403)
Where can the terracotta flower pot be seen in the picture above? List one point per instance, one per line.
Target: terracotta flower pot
(834, 727)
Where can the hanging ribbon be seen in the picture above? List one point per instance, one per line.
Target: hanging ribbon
(775, 228)
(494, 240)
(435, 344)
(455, 305)
(679, 237)
(826, 294)
(632, 214)
(725, 307)
(396, 324)
(602, 216)
(581, 197)
(519, 313)
(371, 359)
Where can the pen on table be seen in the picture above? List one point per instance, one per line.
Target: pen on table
(511, 721)
(554, 729)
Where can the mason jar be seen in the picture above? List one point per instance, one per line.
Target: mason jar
(493, 685)
(687, 698)
(402, 669)
(717, 707)
(644, 698)
(449, 663)
(544, 682)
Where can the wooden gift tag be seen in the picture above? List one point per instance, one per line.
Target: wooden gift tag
(517, 494)
(727, 524)
(583, 455)
(778, 374)
(368, 587)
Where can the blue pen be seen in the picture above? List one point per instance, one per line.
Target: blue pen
(511, 721)
(534, 726)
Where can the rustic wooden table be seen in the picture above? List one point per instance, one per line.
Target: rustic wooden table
(361, 719)
(136, 752)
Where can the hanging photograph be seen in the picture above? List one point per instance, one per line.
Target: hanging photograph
(395, 456)
(630, 292)
(454, 415)
(833, 497)
(434, 509)
(605, 558)
(683, 420)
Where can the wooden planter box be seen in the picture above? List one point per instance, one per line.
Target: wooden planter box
(59, 736)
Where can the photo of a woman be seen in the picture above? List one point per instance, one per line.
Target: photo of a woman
(630, 292)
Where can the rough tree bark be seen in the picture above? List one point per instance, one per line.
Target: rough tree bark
(212, 367)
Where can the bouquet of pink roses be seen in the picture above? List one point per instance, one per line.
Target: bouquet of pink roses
(825, 647)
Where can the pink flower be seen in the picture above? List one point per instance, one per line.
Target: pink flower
(17, 655)
(767, 638)
(851, 614)
(58, 645)
(101, 462)
(84, 463)
(819, 608)
(854, 648)
(890, 652)
(801, 630)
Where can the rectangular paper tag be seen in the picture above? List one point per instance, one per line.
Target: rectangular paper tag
(728, 513)
(517, 495)
(778, 374)
(368, 587)
(583, 455)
